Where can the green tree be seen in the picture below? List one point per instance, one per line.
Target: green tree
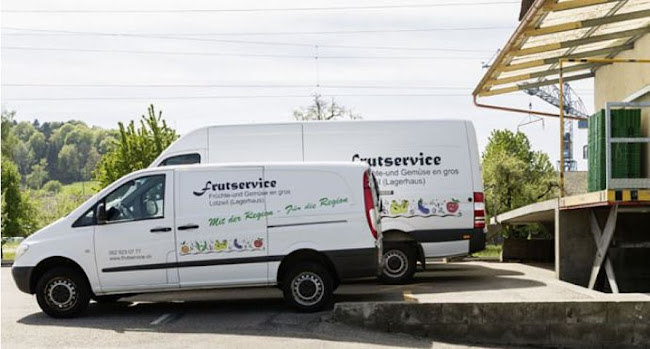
(70, 163)
(8, 137)
(38, 144)
(92, 159)
(23, 157)
(38, 176)
(514, 175)
(323, 110)
(18, 215)
(136, 148)
(24, 130)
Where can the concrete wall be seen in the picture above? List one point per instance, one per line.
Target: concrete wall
(575, 248)
(575, 182)
(554, 324)
(615, 82)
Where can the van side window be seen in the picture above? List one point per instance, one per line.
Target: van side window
(143, 198)
(185, 159)
(87, 219)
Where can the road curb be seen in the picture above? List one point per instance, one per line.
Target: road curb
(555, 324)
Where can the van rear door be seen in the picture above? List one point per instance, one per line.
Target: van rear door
(221, 226)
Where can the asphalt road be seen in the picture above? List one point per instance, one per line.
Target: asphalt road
(224, 318)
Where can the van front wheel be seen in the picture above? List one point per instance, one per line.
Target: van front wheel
(399, 264)
(62, 292)
(308, 287)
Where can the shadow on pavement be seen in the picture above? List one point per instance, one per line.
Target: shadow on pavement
(245, 317)
(262, 312)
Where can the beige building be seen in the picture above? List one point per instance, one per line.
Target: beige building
(628, 82)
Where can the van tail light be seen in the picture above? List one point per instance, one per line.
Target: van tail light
(479, 210)
(369, 204)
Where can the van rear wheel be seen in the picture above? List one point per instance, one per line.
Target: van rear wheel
(399, 263)
(62, 292)
(308, 287)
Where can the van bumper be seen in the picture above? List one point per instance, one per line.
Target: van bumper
(476, 237)
(477, 241)
(354, 263)
(22, 277)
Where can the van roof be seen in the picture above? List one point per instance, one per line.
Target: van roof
(329, 122)
(296, 164)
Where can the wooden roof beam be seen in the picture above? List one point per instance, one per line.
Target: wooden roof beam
(587, 23)
(570, 5)
(537, 84)
(554, 59)
(578, 42)
(540, 74)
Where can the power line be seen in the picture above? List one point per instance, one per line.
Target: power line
(178, 53)
(48, 85)
(286, 9)
(275, 43)
(333, 32)
(229, 97)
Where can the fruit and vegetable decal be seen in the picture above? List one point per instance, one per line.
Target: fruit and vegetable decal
(452, 206)
(221, 246)
(422, 208)
(399, 208)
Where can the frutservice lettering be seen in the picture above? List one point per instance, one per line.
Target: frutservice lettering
(389, 161)
(259, 184)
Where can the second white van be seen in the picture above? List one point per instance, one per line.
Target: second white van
(428, 172)
(302, 227)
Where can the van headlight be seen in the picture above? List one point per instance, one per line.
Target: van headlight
(22, 248)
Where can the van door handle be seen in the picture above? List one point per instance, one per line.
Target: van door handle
(188, 227)
(160, 230)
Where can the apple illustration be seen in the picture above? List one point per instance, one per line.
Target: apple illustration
(258, 243)
(452, 206)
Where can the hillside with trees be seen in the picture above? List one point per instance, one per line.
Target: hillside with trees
(49, 168)
(62, 151)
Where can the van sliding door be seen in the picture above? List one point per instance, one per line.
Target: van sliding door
(221, 226)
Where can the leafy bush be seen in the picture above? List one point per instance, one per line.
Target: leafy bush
(53, 187)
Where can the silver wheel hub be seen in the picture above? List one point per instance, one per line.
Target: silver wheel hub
(307, 288)
(395, 263)
(61, 294)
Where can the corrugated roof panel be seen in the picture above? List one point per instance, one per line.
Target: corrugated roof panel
(532, 70)
(548, 33)
(558, 37)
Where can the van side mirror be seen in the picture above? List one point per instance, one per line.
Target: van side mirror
(100, 213)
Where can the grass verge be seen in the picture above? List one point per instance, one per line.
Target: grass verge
(9, 250)
(490, 251)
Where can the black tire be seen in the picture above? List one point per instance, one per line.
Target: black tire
(308, 287)
(107, 299)
(399, 263)
(63, 292)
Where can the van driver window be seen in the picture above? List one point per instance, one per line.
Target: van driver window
(138, 199)
(185, 159)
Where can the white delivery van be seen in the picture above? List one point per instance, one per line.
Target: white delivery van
(302, 227)
(428, 173)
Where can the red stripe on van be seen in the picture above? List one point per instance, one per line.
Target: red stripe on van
(479, 210)
(368, 203)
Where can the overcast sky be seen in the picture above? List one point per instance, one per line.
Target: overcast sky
(416, 62)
